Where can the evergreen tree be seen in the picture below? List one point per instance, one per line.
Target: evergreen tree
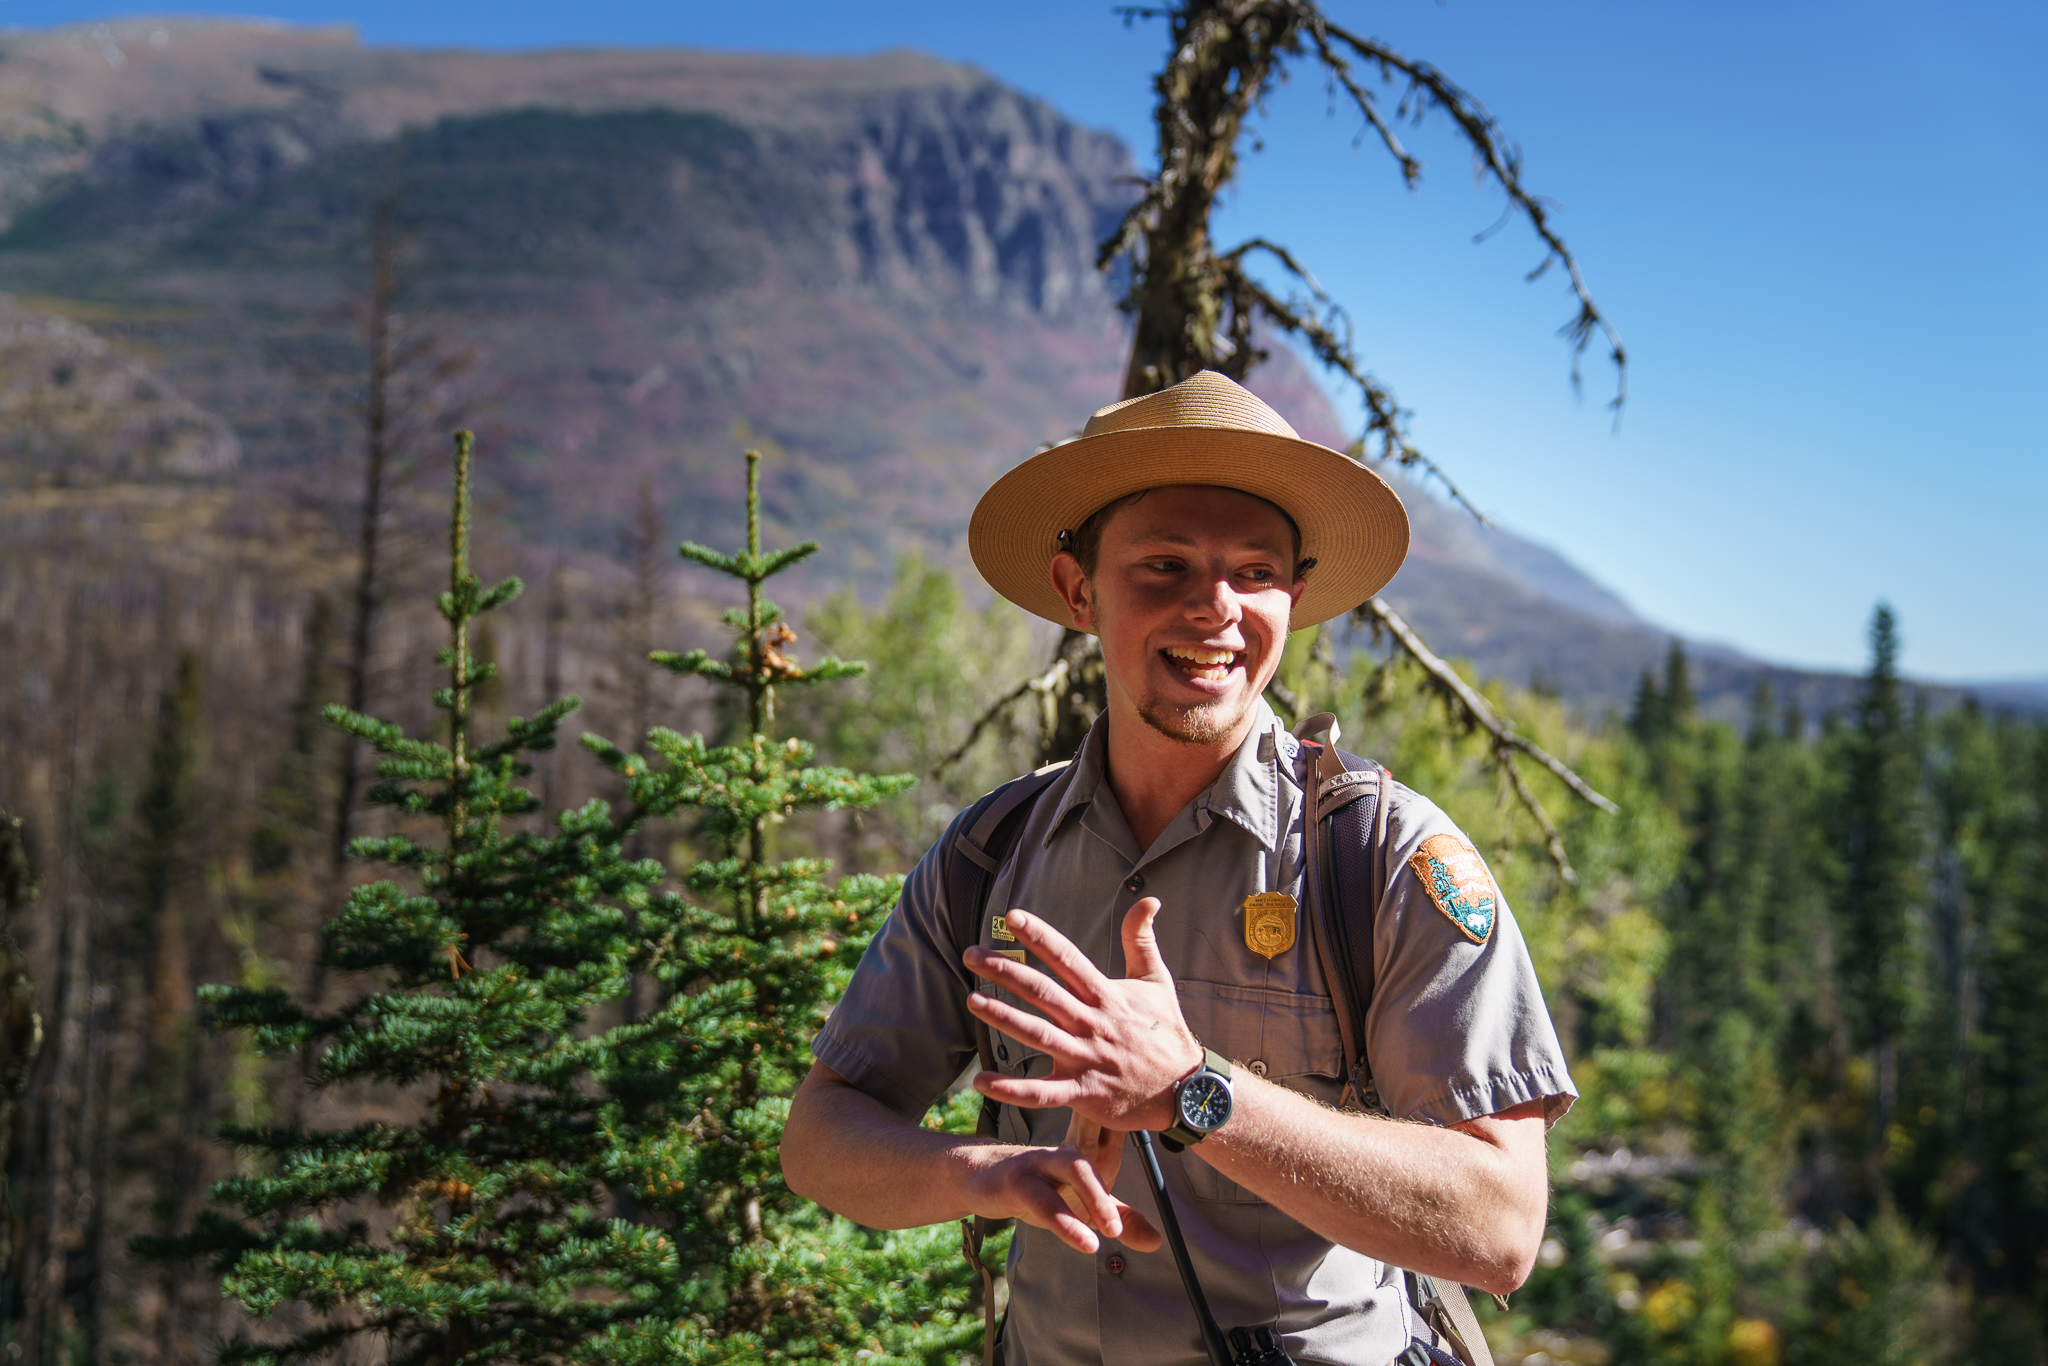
(571, 1191)
(1878, 843)
(1982, 1162)
(763, 947)
(489, 962)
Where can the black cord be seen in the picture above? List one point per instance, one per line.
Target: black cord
(1212, 1336)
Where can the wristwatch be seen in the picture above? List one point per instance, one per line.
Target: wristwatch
(1201, 1103)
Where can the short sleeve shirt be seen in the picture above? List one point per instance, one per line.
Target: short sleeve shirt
(1456, 1029)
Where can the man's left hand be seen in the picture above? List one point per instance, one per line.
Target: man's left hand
(1119, 1046)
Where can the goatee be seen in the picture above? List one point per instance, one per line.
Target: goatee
(1202, 724)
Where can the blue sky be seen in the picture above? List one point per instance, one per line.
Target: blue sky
(1817, 226)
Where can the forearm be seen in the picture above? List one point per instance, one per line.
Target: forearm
(1466, 1205)
(850, 1153)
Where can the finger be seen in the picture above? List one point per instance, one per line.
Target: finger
(1138, 1234)
(1073, 966)
(1046, 1093)
(1100, 1145)
(1141, 945)
(1044, 1207)
(1035, 1030)
(1109, 1155)
(1077, 1201)
(1090, 1199)
(1029, 983)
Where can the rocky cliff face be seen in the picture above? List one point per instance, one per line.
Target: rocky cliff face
(883, 271)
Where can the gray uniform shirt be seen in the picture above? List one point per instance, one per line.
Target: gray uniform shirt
(1455, 1030)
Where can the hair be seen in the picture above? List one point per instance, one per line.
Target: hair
(1086, 543)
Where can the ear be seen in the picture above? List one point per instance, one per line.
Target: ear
(1300, 584)
(1072, 585)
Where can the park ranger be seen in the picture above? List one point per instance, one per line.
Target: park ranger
(1145, 959)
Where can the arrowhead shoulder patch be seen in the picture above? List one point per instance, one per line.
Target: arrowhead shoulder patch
(1457, 880)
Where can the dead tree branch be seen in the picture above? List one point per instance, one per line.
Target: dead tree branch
(1197, 307)
(1474, 711)
(1475, 706)
(1046, 685)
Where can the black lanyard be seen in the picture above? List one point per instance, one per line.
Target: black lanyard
(1259, 1347)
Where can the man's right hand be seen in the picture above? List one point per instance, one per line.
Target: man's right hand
(850, 1153)
(1064, 1190)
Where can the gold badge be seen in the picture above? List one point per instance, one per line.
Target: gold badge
(1014, 955)
(1457, 881)
(1001, 931)
(1269, 923)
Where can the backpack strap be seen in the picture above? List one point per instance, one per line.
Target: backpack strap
(981, 840)
(1344, 848)
(1344, 835)
(971, 862)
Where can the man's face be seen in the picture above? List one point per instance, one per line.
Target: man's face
(1191, 595)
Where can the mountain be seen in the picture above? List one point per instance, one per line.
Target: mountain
(626, 266)
(879, 271)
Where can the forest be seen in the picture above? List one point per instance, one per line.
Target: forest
(1800, 976)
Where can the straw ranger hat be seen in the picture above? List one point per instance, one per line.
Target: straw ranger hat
(1205, 430)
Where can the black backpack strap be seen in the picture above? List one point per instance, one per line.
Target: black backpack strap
(972, 860)
(1344, 848)
(1344, 835)
(981, 840)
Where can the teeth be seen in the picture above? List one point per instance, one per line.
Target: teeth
(1207, 657)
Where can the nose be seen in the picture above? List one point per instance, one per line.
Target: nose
(1213, 600)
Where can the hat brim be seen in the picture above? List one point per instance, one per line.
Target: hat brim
(1352, 523)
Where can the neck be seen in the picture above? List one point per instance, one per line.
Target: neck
(1155, 776)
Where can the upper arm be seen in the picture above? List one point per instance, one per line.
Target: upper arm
(1457, 1028)
(901, 1032)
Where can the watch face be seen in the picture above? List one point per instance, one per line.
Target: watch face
(1204, 1103)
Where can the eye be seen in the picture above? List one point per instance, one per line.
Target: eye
(1260, 574)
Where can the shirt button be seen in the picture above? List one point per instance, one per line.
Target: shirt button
(1003, 1052)
(1135, 883)
(1258, 1068)
(1115, 1265)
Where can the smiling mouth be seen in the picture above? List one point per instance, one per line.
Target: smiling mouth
(1211, 666)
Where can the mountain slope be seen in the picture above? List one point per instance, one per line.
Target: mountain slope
(880, 271)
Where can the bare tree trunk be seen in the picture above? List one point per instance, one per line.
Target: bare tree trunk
(551, 676)
(21, 1038)
(643, 542)
(377, 413)
(60, 1211)
(376, 458)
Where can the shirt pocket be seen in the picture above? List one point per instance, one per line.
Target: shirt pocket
(1293, 1036)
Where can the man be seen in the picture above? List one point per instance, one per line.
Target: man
(1191, 530)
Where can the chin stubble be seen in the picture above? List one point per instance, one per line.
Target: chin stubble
(1198, 725)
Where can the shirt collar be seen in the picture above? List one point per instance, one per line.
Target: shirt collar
(1249, 792)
